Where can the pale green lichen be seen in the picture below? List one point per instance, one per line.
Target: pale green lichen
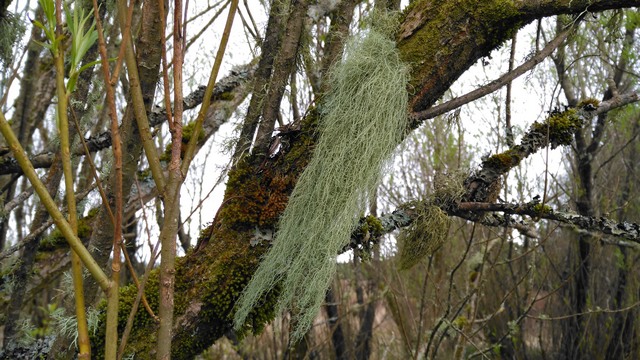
(364, 116)
(424, 236)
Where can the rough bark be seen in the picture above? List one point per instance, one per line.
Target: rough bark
(283, 67)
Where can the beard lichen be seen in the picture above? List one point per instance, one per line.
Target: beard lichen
(424, 236)
(362, 121)
(431, 223)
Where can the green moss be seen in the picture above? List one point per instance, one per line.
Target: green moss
(187, 132)
(373, 226)
(226, 96)
(505, 161)
(542, 209)
(559, 126)
(144, 174)
(589, 103)
(442, 39)
(210, 285)
(460, 322)
(56, 240)
(244, 211)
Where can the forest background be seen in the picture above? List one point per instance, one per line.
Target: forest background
(505, 225)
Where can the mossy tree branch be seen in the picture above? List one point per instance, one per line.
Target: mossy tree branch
(442, 39)
(373, 228)
(111, 336)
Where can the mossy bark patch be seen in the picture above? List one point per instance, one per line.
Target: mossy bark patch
(442, 39)
(210, 278)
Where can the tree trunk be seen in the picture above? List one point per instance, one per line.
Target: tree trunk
(335, 326)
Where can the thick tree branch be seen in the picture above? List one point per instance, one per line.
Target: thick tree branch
(442, 39)
(367, 234)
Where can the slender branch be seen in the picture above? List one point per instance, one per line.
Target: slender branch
(138, 104)
(84, 346)
(111, 339)
(171, 196)
(230, 84)
(417, 117)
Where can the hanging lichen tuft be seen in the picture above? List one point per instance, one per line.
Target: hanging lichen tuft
(363, 119)
(425, 234)
(11, 30)
(429, 229)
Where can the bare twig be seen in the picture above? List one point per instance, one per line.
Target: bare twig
(418, 117)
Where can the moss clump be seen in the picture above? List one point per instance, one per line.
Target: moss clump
(460, 322)
(589, 104)
(226, 96)
(364, 116)
(424, 236)
(560, 127)
(144, 174)
(245, 210)
(373, 226)
(56, 240)
(505, 161)
(542, 209)
(187, 132)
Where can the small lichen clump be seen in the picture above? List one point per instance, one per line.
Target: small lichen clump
(424, 236)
